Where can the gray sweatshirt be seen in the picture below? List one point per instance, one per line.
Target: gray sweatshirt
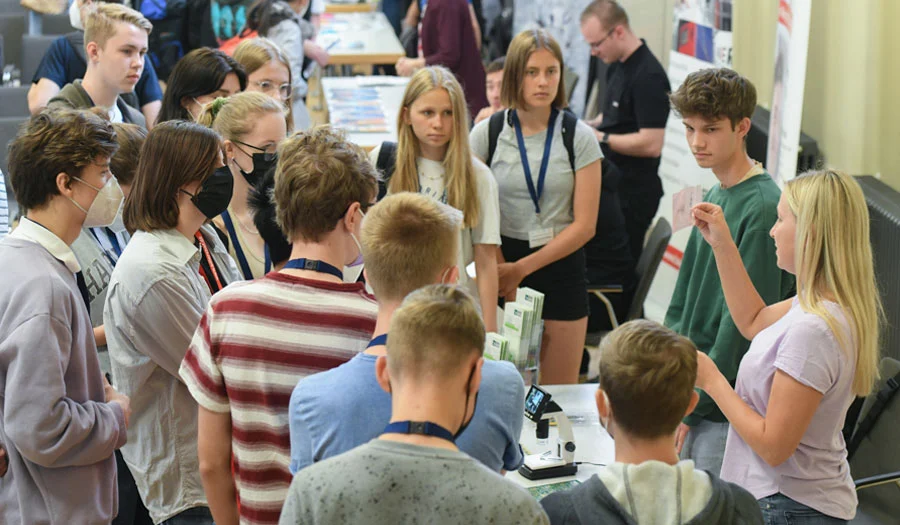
(57, 429)
(653, 493)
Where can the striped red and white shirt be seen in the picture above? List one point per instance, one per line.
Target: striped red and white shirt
(256, 340)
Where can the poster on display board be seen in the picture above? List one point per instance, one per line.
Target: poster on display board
(791, 46)
(702, 39)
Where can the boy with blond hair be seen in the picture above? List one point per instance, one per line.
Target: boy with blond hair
(258, 338)
(715, 106)
(414, 472)
(647, 376)
(408, 241)
(115, 39)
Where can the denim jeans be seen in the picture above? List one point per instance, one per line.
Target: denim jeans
(779, 509)
(705, 445)
(194, 516)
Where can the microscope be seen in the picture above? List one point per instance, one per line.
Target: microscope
(541, 409)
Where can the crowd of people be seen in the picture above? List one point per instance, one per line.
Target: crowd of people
(212, 312)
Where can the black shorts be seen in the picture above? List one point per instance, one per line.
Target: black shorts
(563, 282)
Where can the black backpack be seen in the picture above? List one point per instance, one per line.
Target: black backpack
(495, 126)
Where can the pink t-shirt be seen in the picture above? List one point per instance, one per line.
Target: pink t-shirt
(817, 475)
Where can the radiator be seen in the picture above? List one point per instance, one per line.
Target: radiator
(884, 211)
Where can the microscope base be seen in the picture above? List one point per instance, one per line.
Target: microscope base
(548, 472)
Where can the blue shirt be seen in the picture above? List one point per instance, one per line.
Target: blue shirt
(62, 64)
(340, 409)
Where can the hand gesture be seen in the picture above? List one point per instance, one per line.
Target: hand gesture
(405, 67)
(707, 372)
(316, 52)
(710, 221)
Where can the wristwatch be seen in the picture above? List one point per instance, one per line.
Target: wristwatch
(605, 139)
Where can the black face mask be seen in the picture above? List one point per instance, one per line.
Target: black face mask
(215, 193)
(465, 424)
(261, 166)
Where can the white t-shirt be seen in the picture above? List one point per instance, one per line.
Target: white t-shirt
(431, 184)
(115, 114)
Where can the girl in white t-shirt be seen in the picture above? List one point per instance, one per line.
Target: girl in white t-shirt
(433, 158)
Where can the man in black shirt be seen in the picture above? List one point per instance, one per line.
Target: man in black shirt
(635, 109)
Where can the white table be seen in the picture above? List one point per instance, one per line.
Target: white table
(362, 39)
(390, 91)
(592, 443)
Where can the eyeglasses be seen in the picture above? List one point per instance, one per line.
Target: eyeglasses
(284, 90)
(268, 152)
(597, 44)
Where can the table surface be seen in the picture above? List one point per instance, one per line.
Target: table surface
(362, 38)
(351, 7)
(592, 443)
(390, 91)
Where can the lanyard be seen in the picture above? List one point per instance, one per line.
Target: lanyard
(523, 153)
(425, 428)
(315, 266)
(239, 252)
(378, 340)
(113, 245)
(210, 262)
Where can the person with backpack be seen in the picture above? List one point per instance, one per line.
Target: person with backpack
(432, 157)
(545, 219)
(810, 355)
(282, 22)
(65, 61)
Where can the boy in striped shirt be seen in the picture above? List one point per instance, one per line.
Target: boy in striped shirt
(257, 339)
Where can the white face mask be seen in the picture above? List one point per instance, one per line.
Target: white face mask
(75, 15)
(118, 224)
(106, 205)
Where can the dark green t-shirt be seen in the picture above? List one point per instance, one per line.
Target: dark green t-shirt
(698, 309)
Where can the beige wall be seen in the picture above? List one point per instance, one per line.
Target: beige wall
(852, 95)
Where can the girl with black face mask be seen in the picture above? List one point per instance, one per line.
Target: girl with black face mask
(158, 291)
(252, 125)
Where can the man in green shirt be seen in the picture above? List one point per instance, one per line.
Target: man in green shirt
(715, 106)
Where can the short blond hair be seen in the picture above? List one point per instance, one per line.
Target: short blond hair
(101, 21)
(318, 176)
(517, 55)
(648, 373)
(436, 330)
(406, 239)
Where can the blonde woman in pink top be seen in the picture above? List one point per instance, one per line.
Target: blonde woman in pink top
(809, 357)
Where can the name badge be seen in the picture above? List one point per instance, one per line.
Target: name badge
(538, 238)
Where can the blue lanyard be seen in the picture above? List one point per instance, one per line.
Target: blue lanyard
(545, 161)
(425, 428)
(378, 340)
(113, 241)
(239, 252)
(315, 266)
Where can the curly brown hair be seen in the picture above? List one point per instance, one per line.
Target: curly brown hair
(713, 94)
(52, 142)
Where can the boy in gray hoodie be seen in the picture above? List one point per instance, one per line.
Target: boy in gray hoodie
(647, 375)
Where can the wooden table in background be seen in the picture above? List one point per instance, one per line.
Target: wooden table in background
(355, 7)
(362, 39)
